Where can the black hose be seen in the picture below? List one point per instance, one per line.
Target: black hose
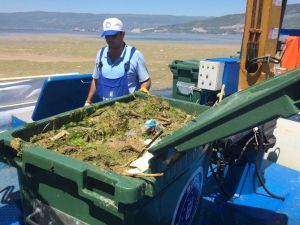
(264, 59)
(207, 146)
(260, 148)
(218, 182)
(243, 150)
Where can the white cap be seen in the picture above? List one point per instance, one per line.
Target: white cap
(111, 26)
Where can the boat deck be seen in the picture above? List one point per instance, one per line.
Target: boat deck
(258, 208)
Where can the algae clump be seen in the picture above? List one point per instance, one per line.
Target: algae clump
(113, 135)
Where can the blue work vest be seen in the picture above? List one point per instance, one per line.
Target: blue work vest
(112, 88)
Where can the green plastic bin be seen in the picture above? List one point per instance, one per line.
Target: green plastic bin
(185, 78)
(72, 190)
(94, 196)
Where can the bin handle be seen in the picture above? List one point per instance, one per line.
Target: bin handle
(108, 204)
(105, 196)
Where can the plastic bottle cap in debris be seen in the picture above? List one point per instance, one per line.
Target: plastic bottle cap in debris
(150, 123)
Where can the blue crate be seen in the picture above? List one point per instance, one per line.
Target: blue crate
(230, 74)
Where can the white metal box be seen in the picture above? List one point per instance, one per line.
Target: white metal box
(210, 75)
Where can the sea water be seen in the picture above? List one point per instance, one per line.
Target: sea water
(167, 37)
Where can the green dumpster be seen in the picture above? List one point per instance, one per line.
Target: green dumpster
(185, 78)
(71, 191)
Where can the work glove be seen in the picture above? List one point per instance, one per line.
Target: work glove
(87, 104)
(144, 90)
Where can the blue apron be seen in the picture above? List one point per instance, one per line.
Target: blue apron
(112, 88)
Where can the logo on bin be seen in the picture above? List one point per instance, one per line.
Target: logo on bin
(189, 200)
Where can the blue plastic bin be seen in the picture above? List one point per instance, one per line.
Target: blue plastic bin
(230, 75)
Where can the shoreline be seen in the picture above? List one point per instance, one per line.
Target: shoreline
(192, 38)
(36, 54)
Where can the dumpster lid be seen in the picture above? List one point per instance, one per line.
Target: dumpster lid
(225, 60)
(185, 64)
(61, 94)
(275, 97)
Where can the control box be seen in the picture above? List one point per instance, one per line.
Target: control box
(210, 75)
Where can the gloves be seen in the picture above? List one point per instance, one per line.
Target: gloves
(87, 104)
(144, 90)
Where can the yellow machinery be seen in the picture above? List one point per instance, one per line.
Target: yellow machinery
(263, 22)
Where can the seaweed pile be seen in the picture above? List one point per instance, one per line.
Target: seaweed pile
(114, 135)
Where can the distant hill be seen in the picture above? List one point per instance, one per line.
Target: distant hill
(292, 17)
(225, 24)
(230, 24)
(87, 22)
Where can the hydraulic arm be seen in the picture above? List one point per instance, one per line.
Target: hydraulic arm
(263, 22)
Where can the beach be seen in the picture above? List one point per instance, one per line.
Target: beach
(42, 54)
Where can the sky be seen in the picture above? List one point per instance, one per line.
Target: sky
(162, 7)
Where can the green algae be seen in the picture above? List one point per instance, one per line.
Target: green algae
(113, 135)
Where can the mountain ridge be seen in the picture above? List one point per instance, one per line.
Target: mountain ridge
(135, 23)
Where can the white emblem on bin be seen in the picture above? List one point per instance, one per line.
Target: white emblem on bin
(189, 199)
